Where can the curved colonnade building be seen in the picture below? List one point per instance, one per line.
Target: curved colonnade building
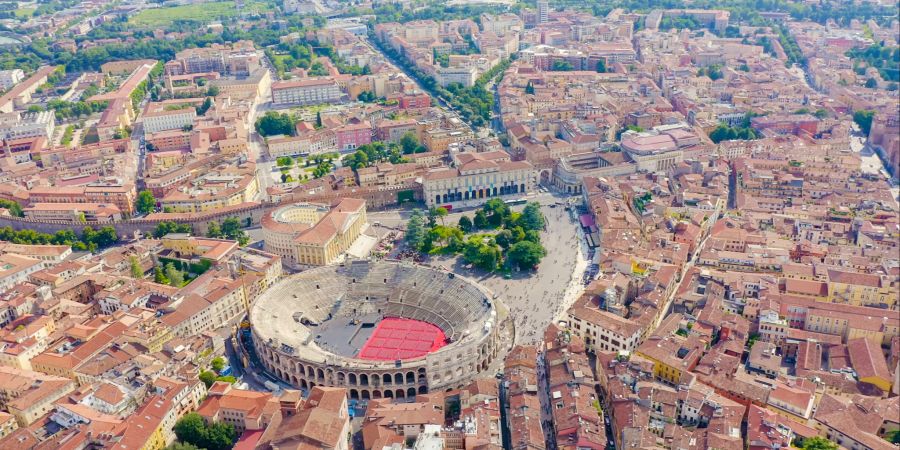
(380, 329)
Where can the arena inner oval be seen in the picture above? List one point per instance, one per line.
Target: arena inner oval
(382, 329)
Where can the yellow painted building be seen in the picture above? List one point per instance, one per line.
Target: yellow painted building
(222, 188)
(307, 234)
(860, 289)
(672, 356)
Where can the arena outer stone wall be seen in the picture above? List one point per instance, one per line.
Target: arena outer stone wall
(285, 318)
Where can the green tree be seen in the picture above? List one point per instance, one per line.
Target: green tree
(488, 257)
(175, 276)
(562, 66)
(191, 428)
(723, 132)
(136, 271)
(275, 123)
(526, 254)
(532, 218)
(159, 277)
(317, 70)
(864, 120)
(356, 160)
(871, 83)
(182, 446)
(497, 211)
(480, 222)
(201, 110)
(438, 212)
(284, 161)
(366, 96)
(217, 364)
(818, 443)
(529, 88)
(504, 239)
(465, 224)
(164, 228)
(409, 143)
(146, 202)
(231, 229)
(220, 436)
(102, 238)
(13, 207)
(601, 66)
(318, 119)
(213, 230)
(415, 230)
(208, 377)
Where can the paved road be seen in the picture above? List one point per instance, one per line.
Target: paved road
(256, 146)
(869, 161)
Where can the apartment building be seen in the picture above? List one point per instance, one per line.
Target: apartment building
(18, 125)
(323, 422)
(111, 192)
(168, 119)
(222, 187)
(465, 76)
(238, 59)
(9, 78)
(221, 304)
(244, 410)
(77, 213)
(20, 94)
(30, 395)
(23, 339)
(311, 91)
(15, 269)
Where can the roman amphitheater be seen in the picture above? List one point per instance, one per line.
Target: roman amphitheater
(380, 329)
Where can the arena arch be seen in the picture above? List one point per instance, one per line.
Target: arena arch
(284, 337)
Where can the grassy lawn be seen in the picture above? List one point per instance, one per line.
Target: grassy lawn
(24, 12)
(204, 12)
(277, 57)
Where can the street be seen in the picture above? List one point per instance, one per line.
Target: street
(256, 145)
(869, 161)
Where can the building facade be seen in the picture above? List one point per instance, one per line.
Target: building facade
(310, 234)
(477, 178)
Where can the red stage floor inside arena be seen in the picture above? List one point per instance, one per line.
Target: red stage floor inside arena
(395, 338)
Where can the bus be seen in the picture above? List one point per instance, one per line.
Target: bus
(520, 201)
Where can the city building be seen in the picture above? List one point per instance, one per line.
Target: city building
(309, 234)
(10, 78)
(477, 178)
(306, 92)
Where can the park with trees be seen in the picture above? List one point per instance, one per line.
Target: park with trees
(376, 152)
(494, 239)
